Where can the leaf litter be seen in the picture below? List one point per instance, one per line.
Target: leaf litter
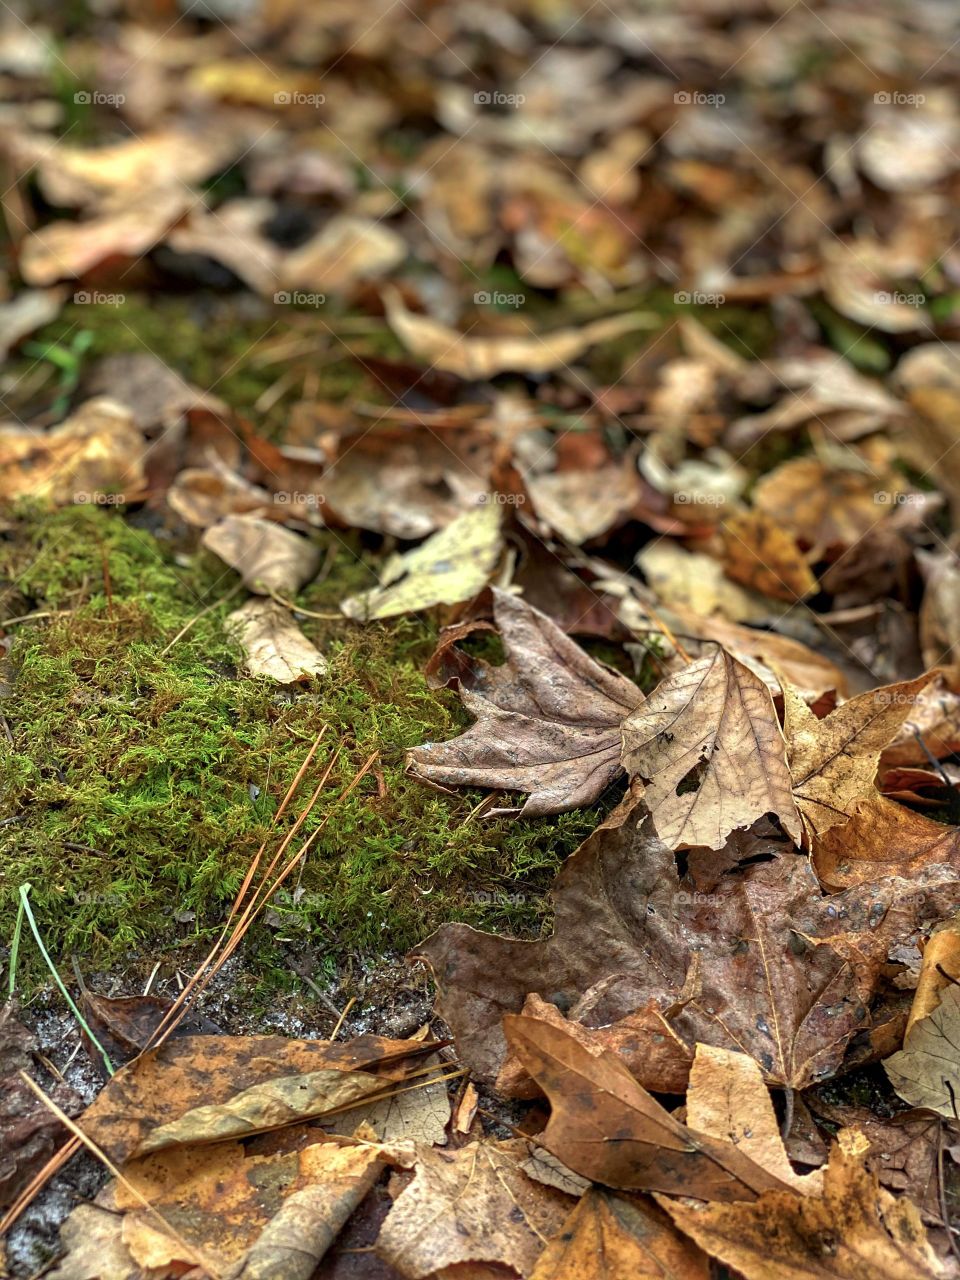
(654, 325)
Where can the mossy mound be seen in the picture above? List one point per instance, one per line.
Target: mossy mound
(142, 772)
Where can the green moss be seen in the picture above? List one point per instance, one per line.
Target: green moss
(142, 778)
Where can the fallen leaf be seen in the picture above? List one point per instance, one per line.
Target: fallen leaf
(267, 557)
(580, 505)
(471, 1205)
(824, 506)
(547, 721)
(853, 1231)
(607, 1127)
(125, 1025)
(762, 555)
(926, 1071)
(273, 643)
(29, 310)
(478, 359)
(451, 566)
(95, 455)
(610, 1237)
(708, 747)
(834, 761)
(697, 582)
(347, 250)
(882, 838)
(205, 495)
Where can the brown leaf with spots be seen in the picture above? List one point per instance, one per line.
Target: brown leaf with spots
(834, 761)
(853, 1231)
(761, 554)
(708, 747)
(882, 838)
(611, 1237)
(473, 1205)
(547, 720)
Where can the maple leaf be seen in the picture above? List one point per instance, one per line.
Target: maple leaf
(834, 761)
(757, 960)
(548, 719)
(712, 723)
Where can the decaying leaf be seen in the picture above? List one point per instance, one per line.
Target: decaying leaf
(834, 761)
(708, 747)
(694, 581)
(594, 1098)
(96, 455)
(267, 557)
(547, 721)
(762, 555)
(480, 358)
(757, 962)
(471, 1205)
(451, 566)
(926, 1071)
(853, 1231)
(204, 495)
(608, 1236)
(273, 643)
(882, 838)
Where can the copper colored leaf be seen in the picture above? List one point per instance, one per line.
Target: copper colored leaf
(607, 1127)
(474, 1205)
(834, 761)
(853, 1231)
(610, 1237)
(762, 555)
(882, 838)
(708, 746)
(547, 721)
(124, 1025)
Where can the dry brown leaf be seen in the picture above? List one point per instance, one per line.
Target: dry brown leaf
(824, 506)
(96, 455)
(940, 966)
(92, 1237)
(762, 555)
(834, 761)
(759, 961)
(926, 1071)
(882, 838)
(204, 495)
(273, 643)
(474, 1204)
(267, 557)
(607, 1127)
(853, 1231)
(727, 1098)
(611, 1237)
(166, 1083)
(347, 250)
(580, 505)
(452, 566)
(695, 581)
(478, 359)
(547, 721)
(712, 724)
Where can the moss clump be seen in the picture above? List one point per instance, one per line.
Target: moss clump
(139, 778)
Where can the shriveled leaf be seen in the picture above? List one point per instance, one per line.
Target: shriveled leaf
(926, 1071)
(708, 747)
(471, 1205)
(166, 1083)
(267, 557)
(450, 567)
(96, 454)
(853, 1231)
(608, 1237)
(478, 359)
(124, 1025)
(273, 643)
(607, 1127)
(728, 1099)
(547, 721)
(834, 761)
(762, 555)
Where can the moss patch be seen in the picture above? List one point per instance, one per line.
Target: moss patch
(141, 778)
